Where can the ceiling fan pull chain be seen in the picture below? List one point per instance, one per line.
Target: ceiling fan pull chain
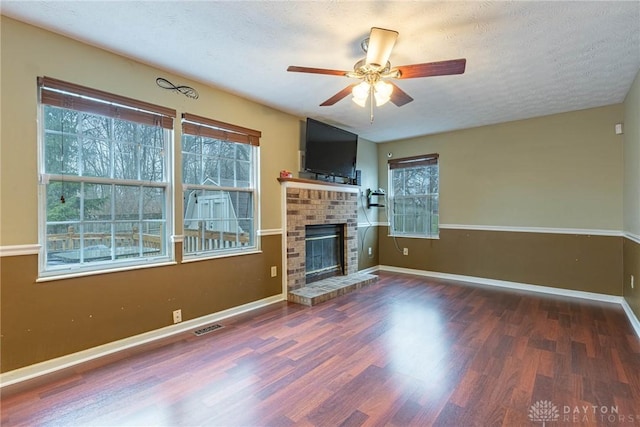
(371, 101)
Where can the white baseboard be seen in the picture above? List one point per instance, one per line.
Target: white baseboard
(53, 365)
(635, 323)
(370, 269)
(506, 284)
(631, 316)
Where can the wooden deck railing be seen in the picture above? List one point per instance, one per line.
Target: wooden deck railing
(194, 240)
(201, 240)
(71, 240)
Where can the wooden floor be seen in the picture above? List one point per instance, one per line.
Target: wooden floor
(404, 351)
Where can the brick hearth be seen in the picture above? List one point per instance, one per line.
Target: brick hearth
(326, 289)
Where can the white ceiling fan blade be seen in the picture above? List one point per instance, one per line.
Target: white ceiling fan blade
(381, 42)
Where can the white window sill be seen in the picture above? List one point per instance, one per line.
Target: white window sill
(69, 274)
(209, 256)
(415, 236)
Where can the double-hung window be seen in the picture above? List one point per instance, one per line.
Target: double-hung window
(105, 163)
(219, 175)
(413, 196)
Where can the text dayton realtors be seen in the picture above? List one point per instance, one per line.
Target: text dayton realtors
(593, 413)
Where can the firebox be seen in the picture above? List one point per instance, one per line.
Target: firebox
(324, 248)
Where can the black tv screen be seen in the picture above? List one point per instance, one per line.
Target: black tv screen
(330, 150)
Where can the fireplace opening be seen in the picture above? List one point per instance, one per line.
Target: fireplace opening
(324, 249)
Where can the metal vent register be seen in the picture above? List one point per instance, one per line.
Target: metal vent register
(207, 329)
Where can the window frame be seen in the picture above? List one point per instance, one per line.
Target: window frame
(83, 100)
(427, 160)
(202, 127)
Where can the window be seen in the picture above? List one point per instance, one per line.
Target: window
(413, 196)
(104, 164)
(219, 183)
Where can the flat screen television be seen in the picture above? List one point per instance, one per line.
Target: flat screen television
(330, 150)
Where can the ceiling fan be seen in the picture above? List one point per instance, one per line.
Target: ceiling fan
(375, 70)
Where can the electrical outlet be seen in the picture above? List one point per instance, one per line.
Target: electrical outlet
(632, 281)
(177, 316)
(405, 251)
(274, 271)
(370, 251)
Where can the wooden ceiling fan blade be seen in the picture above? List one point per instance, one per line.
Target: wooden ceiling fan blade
(399, 97)
(297, 69)
(338, 96)
(429, 69)
(379, 47)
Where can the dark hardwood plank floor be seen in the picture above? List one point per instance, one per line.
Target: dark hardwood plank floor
(405, 351)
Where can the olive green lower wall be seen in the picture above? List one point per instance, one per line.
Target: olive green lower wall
(632, 267)
(567, 261)
(42, 321)
(367, 238)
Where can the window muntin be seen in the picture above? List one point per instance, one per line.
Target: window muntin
(227, 164)
(219, 187)
(106, 192)
(414, 196)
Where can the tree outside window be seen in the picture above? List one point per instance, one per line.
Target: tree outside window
(414, 196)
(104, 171)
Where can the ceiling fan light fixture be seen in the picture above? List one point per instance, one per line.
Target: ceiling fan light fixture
(381, 99)
(382, 92)
(361, 93)
(362, 102)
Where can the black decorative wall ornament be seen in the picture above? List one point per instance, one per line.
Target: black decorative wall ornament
(187, 91)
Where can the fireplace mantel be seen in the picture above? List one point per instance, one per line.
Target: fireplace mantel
(311, 183)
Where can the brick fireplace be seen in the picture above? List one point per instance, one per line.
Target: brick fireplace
(313, 204)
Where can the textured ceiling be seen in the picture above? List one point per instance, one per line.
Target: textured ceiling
(524, 59)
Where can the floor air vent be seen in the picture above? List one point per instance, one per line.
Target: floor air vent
(207, 329)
